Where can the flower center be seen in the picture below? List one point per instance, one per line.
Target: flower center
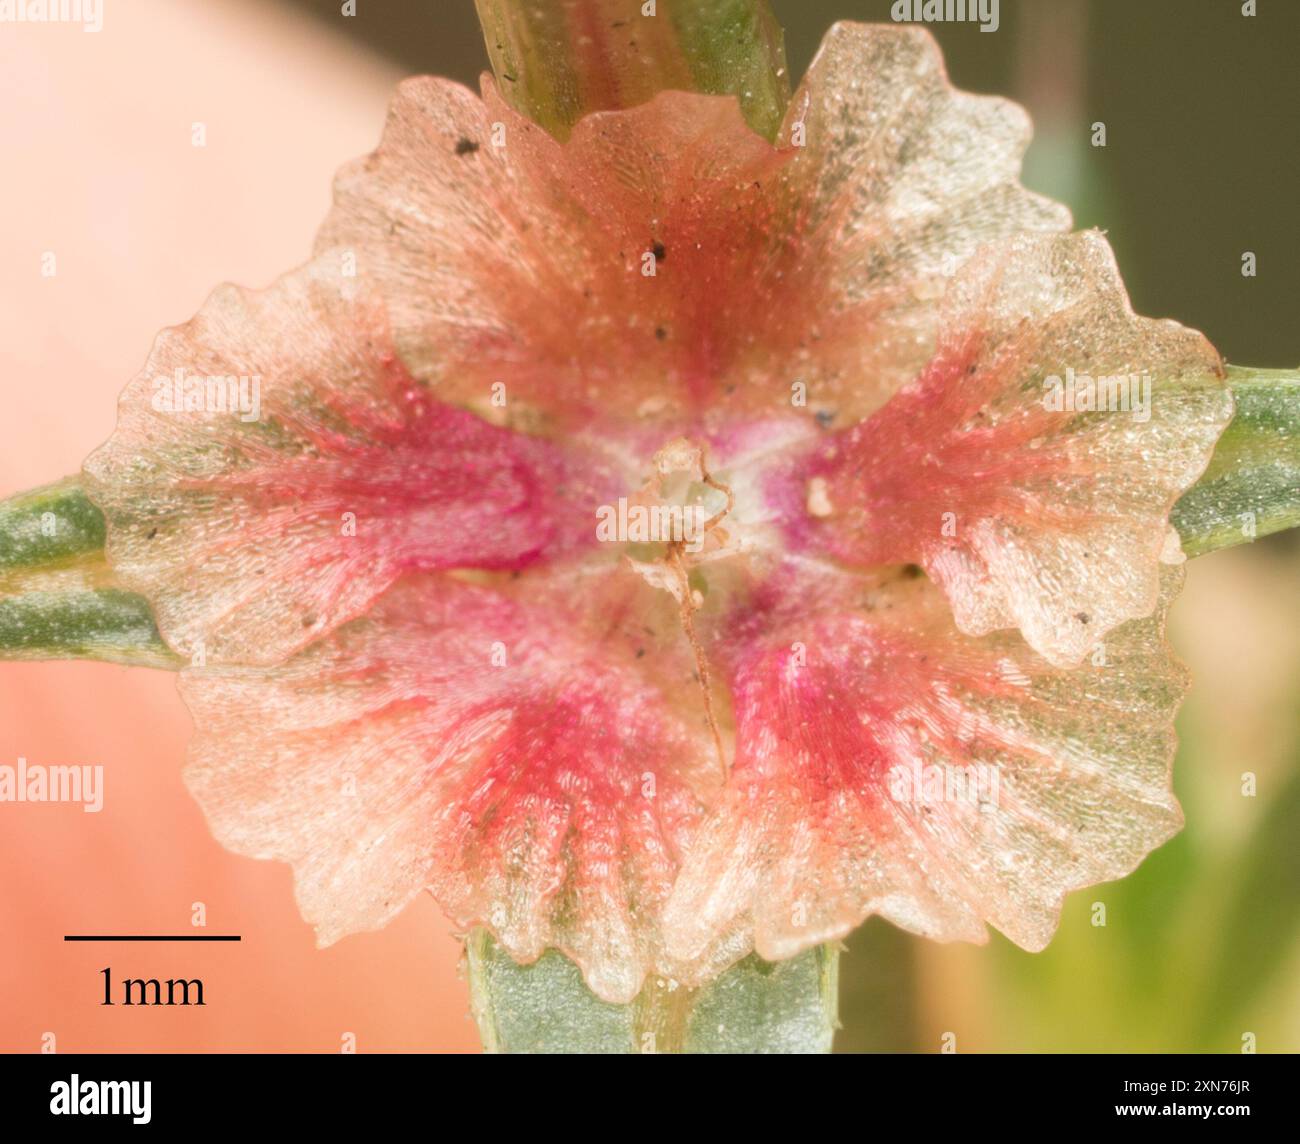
(682, 508)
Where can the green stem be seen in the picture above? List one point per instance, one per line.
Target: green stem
(1252, 485)
(58, 596)
(560, 60)
(54, 527)
(754, 1007)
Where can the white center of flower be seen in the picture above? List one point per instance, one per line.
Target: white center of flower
(686, 509)
(693, 508)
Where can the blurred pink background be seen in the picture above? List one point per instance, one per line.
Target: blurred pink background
(100, 170)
